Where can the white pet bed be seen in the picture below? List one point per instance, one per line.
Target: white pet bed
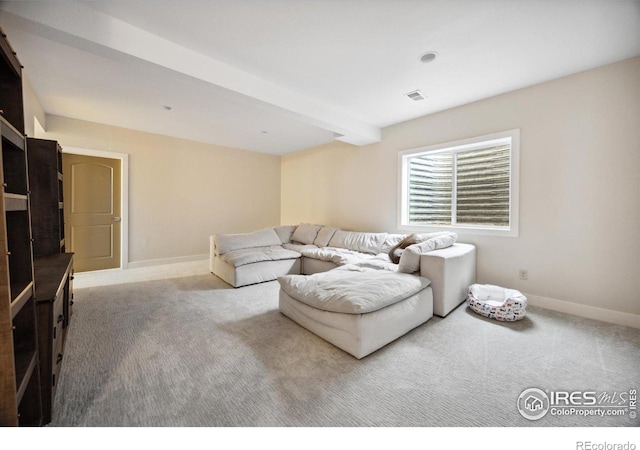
(496, 302)
(356, 309)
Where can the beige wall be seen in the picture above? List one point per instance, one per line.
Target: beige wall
(579, 185)
(181, 192)
(32, 108)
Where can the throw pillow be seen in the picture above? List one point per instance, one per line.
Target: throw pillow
(305, 233)
(398, 249)
(410, 259)
(324, 236)
(284, 232)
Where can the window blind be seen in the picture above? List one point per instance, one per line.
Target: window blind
(430, 188)
(479, 178)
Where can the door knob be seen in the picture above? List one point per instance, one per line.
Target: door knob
(115, 219)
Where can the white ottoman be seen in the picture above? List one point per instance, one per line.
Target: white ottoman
(359, 310)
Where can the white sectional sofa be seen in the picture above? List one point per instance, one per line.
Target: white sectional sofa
(265, 255)
(343, 286)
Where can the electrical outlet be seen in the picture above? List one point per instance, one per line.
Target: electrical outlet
(523, 274)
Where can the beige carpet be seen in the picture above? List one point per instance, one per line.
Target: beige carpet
(193, 351)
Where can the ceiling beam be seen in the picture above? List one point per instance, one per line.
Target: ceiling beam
(83, 27)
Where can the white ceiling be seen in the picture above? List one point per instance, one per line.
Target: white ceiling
(277, 76)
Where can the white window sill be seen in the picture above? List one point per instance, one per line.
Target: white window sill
(469, 230)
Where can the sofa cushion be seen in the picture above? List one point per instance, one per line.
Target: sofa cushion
(298, 247)
(358, 241)
(340, 256)
(305, 233)
(352, 290)
(244, 256)
(225, 243)
(284, 232)
(410, 259)
(324, 236)
(381, 262)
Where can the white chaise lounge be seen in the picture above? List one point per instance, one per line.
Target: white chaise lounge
(359, 310)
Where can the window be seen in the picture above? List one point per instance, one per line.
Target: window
(469, 186)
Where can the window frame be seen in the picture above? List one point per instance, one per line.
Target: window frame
(463, 145)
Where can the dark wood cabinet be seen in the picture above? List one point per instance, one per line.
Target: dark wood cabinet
(53, 277)
(47, 206)
(53, 267)
(35, 305)
(20, 400)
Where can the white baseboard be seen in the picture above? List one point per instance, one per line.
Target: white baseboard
(163, 261)
(590, 312)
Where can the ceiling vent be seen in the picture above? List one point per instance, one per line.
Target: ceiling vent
(416, 95)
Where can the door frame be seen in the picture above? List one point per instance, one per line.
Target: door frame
(124, 195)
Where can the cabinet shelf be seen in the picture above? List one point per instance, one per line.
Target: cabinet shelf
(25, 345)
(11, 133)
(19, 300)
(14, 165)
(19, 247)
(15, 202)
(24, 371)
